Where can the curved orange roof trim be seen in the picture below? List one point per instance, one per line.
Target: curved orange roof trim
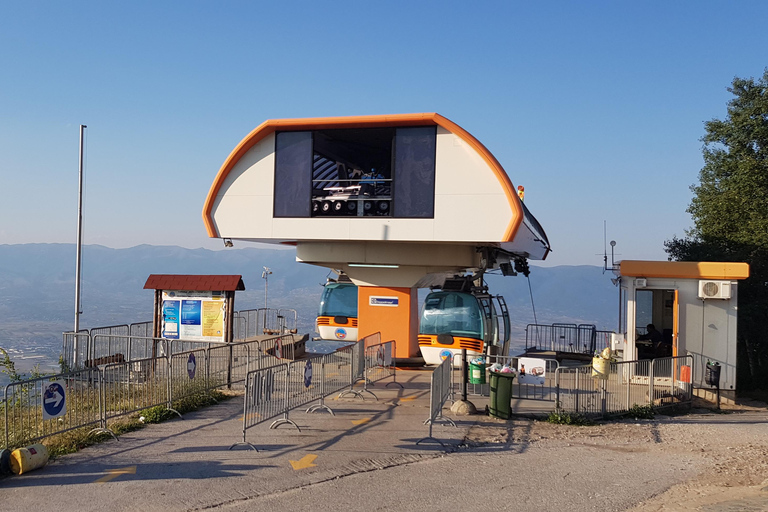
(326, 123)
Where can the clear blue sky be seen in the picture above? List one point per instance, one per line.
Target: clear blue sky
(597, 108)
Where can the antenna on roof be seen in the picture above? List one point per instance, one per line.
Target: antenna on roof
(613, 266)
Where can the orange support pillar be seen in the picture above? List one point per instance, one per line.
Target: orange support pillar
(394, 313)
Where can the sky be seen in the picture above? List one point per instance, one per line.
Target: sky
(596, 108)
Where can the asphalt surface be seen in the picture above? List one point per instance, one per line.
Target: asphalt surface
(364, 457)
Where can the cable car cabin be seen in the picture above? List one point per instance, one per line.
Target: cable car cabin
(452, 321)
(337, 318)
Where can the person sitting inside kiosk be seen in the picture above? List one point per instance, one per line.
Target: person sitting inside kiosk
(649, 343)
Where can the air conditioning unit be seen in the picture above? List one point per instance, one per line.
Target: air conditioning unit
(714, 289)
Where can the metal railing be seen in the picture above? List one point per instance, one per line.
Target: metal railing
(546, 391)
(46, 406)
(116, 387)
(571, 338)
(439, 391)
(380, 363)
(249, 323)
(276, 390)
(656, 383)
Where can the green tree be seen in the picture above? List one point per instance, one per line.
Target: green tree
(730, 216)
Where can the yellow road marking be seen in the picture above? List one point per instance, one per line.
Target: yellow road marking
(114, 473)
(304, 462)
(407, 398)
(361, 421)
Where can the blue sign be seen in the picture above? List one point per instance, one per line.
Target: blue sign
(191, 366)
(445, 354)
(308, 374)
(191, 312)
(171, 319)
(392, 302)
(340, 333)
(54, 400)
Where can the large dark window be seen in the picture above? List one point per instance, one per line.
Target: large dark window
(293, 174)
(363, 172)
(414, 180)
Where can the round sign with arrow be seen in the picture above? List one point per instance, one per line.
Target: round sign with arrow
(279, 348)
(308, 374)
(191, 366)
(54, 400)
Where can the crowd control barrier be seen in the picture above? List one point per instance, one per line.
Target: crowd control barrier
(272, 392)
(357, 368)
(380, 363)
(657, 383)
(439, 390)
(111, 387)
(45, 406)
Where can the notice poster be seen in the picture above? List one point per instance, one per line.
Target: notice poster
(213, 319)
(171, 319)
(191, 325)
(193, 316)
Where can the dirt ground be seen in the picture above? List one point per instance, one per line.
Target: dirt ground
(728, 451)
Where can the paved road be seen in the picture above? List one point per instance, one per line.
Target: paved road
(364, 457)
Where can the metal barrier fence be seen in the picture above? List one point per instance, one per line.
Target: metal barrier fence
(546, 391)
(561, 337)
(115, 387)
(132, 386)
(357, 368)
(276, 390)
(75, 347)
(655, 383)
(36, 408)
(380, 363)
(439, 390)
(249, 323)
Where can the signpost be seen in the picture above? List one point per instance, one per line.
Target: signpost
(54, 400)
(191, 366)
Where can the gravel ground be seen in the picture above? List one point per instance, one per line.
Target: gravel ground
(722, 457)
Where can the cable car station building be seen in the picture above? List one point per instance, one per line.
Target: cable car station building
(396, 202)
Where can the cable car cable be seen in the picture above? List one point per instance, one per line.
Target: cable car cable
(533, 306)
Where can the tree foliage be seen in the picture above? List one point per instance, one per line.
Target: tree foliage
(730, 215)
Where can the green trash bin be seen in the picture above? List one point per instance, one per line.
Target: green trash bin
(501, 395)
(476, 373)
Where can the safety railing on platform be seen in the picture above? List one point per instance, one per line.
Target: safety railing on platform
(657, 383)
(561, 338)
(75, 349)
(439, 391)
(249, 323)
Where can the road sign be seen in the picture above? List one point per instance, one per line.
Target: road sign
(191, 366)
(54, 400)
(308, 374)
(279, 348)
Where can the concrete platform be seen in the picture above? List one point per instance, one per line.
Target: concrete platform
(188, 464)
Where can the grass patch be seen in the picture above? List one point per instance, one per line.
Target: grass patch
(641, 412)
(75, 440)
(569, 418)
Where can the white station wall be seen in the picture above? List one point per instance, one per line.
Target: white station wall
(470, 203)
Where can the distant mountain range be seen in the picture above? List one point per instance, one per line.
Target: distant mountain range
(37, 288)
